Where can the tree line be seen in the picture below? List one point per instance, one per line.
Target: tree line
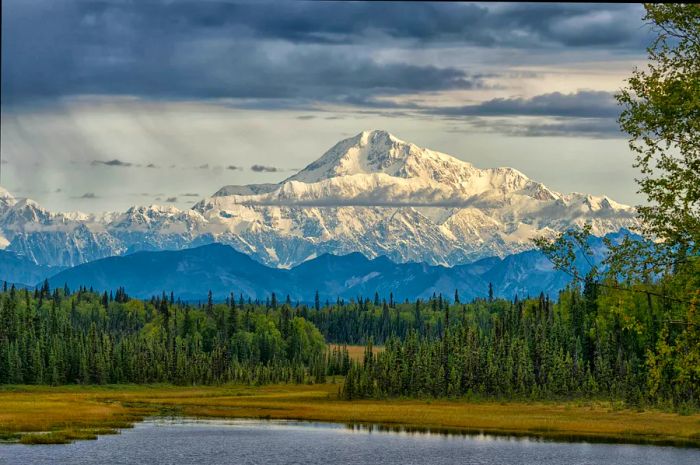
(59, 337)
(595, 341)
(362, 319)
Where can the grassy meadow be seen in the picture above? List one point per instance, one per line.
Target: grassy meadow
(41, 414)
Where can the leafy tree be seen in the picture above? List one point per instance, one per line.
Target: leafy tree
(661, 114)
(662, 117)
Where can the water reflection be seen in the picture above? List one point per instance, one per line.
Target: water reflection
(552, 436)
(253, 442)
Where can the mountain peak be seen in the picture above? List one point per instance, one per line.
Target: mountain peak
(6, 199)
(371, 193)
(376, 136)
(378, 151)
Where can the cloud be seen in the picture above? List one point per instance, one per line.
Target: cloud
(584, 104)
(365, 22)
(189, 194)
(88, 195)
(205, 166)
(233, 167)
(581, 114)
(598, 128)
(273, 55)
(114, 162)
(210, 50)
(595, 128)
(264, 169)
(171, 199)
(151, 165)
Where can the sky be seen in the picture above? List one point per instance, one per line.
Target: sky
(108, 104)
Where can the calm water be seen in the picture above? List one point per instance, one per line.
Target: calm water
(243, 442)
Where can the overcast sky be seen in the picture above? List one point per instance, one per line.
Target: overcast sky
(114, 103)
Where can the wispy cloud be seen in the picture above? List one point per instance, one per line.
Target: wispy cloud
(584, 113)
(264, 169)
(594, 128)
(581, 104)
(114, 162)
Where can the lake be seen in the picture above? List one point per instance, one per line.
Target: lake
(242, 442)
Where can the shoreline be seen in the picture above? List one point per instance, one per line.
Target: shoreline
(58, 415)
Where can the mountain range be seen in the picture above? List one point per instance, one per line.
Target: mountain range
(191, 273)
(372, 193)
(19, 270)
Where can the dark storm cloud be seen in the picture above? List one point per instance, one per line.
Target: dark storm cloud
(187, 49)
(171, 199)
(569, 25)
(582, 104)
(515, 24)
(234, 168)
(114, 162)
(265, 169)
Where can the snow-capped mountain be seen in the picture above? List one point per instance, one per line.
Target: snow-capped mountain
(372, 193)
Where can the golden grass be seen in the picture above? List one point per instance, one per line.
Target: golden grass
(59, 415)
(68, 412)
(65, 436)
(356, 352)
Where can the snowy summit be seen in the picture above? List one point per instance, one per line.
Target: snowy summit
(372, 193)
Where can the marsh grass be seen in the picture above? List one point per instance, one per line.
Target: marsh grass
(42, 415)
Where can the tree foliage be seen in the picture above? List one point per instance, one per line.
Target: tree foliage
(87, 338)
(661, 114)
(594, 342)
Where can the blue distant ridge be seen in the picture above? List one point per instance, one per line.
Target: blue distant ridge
(191, 273)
